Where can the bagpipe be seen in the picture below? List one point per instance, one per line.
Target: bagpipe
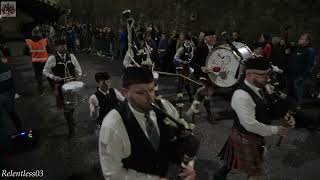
(134, 46)
(281, 104)
(186, 144)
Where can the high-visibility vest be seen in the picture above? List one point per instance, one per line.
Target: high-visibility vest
(38, 50)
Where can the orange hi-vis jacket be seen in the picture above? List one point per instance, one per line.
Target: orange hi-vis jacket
(38, 50)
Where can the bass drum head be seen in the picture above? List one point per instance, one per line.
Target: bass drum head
(224, 65)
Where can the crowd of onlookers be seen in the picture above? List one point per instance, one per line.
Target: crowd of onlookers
(112, 43)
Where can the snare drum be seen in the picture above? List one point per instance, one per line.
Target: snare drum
(73, 92)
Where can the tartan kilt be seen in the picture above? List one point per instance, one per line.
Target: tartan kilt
(244, 152)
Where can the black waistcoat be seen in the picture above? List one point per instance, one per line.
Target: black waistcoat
(144, 158)
(59, 68)
(186, 53)
(262, 110)
(106, 103)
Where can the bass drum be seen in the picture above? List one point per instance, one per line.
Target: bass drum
(225, 66)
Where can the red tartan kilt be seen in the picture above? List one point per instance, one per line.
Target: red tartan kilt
(244, 152)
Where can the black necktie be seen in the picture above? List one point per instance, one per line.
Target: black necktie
(152, 132)
(263, 96)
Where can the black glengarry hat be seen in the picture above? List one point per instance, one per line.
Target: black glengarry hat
(101, 76)
(136, 75)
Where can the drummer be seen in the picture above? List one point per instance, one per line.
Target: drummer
(61, 68)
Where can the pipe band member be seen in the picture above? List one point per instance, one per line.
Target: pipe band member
(245, 146)
(60, 66)
(182, 59)
(134, 141)
(104, 99)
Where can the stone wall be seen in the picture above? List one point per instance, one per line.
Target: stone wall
(251, 17)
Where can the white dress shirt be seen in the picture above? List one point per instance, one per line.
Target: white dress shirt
(114, 144)
(244, 106)
(94, 103)
(52, 63)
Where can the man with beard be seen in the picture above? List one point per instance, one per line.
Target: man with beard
(134, 142)
(244, 148)
(60, 67)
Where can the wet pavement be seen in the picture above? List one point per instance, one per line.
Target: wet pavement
(61, 158)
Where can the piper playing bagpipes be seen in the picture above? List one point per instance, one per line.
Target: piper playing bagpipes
(139, 51)
(245, 146)
(134, 141)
